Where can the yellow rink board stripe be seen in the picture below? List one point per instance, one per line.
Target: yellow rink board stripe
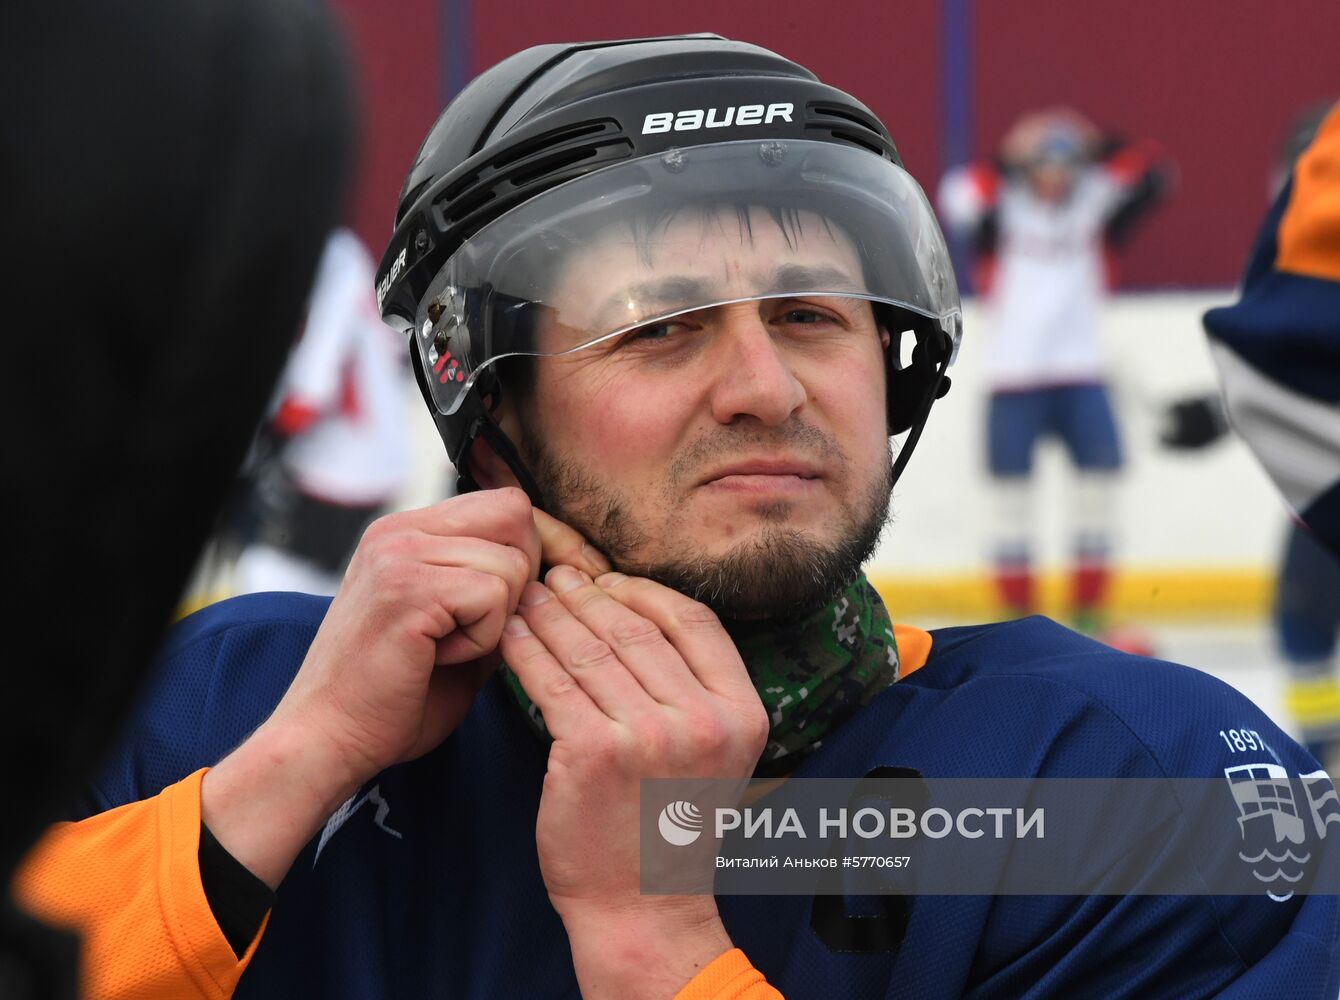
(1314, 702)
(1138, 593)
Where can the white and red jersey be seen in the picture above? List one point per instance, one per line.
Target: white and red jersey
(1044, 270)
(341, 401)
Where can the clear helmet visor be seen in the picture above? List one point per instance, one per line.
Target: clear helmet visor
(820, 233)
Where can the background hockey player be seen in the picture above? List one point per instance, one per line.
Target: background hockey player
(1278, 353)
(169, 228)
(1042, 220)
(335, 449)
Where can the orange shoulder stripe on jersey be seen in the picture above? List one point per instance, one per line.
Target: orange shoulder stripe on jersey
(128, 880)
(1309, 231)
(914, 648)
(730, 976)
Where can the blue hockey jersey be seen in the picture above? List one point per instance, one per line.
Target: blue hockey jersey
(1278, 346)
(426, 884)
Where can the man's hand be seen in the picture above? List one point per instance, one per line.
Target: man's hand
(406, 644)
(425, 589)
(635, 681)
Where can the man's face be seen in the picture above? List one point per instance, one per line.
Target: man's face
(1052, 181)
(737, 453)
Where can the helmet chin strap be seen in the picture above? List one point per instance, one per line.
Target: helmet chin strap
(486, 427)
(932, 393)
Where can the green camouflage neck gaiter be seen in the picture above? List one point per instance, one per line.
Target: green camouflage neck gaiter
(812, 674)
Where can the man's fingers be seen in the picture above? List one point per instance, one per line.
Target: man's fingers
(692, 628)
(590, 660)
(561, 545)
(637, 642)
(503, 516)
(567, 708)
(477, 611)
(506, 562)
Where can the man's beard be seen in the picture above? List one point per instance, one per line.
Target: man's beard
(778, 572)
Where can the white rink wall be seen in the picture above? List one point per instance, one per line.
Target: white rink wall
(1187, 512)
(1197, 510)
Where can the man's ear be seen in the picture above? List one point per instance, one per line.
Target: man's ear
(486, 468)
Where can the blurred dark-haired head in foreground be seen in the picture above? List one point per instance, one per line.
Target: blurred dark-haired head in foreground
(169, 174)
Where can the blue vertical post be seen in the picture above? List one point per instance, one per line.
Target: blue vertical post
(956, 18)
(455, 48)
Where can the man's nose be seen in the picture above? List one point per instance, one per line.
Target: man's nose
(753, 376)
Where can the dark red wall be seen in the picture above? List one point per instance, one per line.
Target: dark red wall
(399, 72)
(858, 52)
(1215, 82)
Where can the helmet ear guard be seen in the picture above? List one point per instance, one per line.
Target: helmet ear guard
(911, 389)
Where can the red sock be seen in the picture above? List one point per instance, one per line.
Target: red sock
(1089, 585)
(1014, 585)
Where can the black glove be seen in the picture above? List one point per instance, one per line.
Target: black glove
(1193, 423)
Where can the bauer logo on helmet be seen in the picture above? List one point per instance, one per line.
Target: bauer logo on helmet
(695, 118)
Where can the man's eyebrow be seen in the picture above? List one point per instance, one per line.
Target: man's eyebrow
(673, 290)
(686, 291)
(814, 278)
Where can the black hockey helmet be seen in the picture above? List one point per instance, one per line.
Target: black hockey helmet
(547, 150)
